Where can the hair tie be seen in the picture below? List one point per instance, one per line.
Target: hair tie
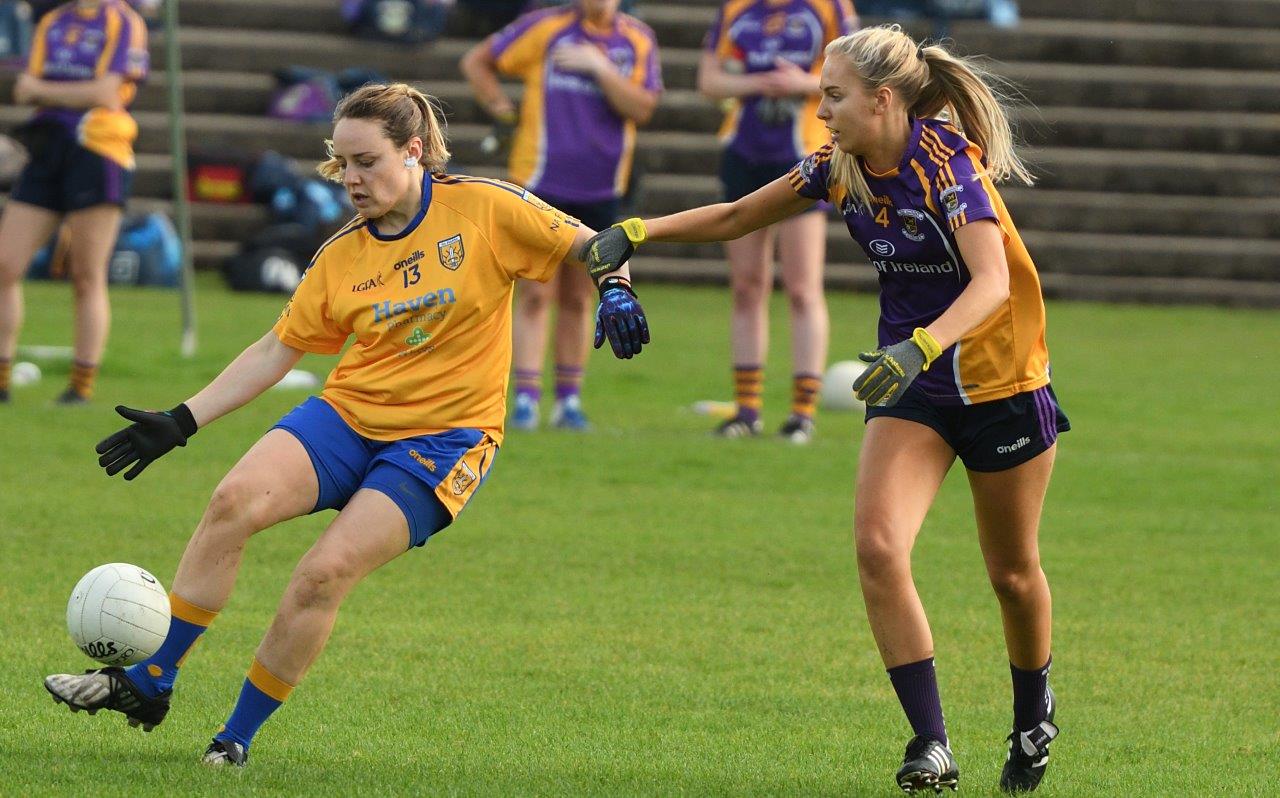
(920, 50)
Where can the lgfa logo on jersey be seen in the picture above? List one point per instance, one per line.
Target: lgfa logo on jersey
(451, 252)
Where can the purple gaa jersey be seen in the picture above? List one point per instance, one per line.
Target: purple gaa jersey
(74, 44)
(570, 145)
(908, 234)
(748, 36)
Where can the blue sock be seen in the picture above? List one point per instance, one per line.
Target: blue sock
(157, 673)
(261, 695)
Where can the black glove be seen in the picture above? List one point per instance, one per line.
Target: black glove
(607, 250)
(620, 318)
(147, 439)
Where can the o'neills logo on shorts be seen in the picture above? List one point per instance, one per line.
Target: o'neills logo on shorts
(426, 462)
(1013, 447)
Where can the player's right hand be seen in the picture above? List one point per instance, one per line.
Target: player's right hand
(607, 250)
(151, 436)
(620, 319)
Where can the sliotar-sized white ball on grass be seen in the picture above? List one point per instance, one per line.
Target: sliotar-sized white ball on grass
(837, 385)
(118, 614)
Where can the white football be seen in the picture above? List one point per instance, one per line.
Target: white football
(118, 614)
(837, 385)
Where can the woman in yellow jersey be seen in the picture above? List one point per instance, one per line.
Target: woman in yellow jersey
(962, 369)
(408, 423)
(87, 58)
(762, 57)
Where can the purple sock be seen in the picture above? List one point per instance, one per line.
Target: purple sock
(568, 381)
(916, 684)
(529, 383)
(1030, 695)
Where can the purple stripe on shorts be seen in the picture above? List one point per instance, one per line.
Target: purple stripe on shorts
(1048, 418)
(114, 193)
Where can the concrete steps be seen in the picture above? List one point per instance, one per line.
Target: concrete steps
(1154, 141)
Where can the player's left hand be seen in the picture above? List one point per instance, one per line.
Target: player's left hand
(894, 368)
(620, 319)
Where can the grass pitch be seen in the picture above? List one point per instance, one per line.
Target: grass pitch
(644, 610)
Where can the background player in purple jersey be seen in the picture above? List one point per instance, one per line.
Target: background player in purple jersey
(962, 369)
(86, 59)
(590, 74)
(763, 58)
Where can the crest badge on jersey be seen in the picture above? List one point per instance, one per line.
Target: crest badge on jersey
(452, 252)
(951, 201)
(911, 219)
(463, 478)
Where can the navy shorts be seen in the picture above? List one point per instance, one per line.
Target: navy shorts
(596, 215)
(989, 436)
(740, 176)
(430, 477)
(63, 176)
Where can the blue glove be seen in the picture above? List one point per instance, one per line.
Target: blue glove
(621, 319)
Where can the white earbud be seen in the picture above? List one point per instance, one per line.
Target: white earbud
(410, 162)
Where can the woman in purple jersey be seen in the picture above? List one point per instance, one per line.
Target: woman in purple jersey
(762, 58)
(86, 60)
(591, 74)
(961, 371)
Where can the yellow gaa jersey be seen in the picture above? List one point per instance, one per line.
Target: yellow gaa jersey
(430, 307)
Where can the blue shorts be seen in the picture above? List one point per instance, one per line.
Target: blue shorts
(430, 477)
(988, 436)
(63, 176)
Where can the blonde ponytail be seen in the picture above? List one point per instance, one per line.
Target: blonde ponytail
(931, 83)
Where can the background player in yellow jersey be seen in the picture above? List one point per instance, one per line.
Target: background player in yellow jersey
(962, 369)
(591, 74)
(763, 56)
(86, 60)
(407, 425)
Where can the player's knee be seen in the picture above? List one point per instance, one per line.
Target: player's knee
(880, 550)
(11, 269)
(533, 302)
(750, 293)
(1015, 584)
(321, 581)
(236, 504)
(804, 302)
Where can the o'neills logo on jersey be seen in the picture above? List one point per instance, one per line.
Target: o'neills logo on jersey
(387, 310)
(409, 261)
